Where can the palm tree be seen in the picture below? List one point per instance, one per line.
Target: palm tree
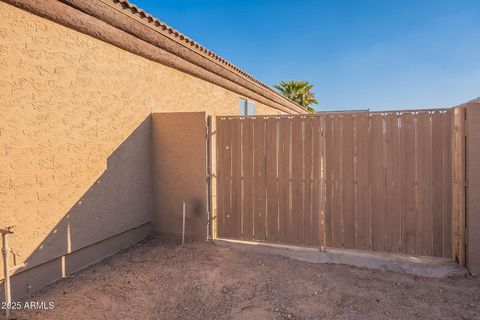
(299, 92)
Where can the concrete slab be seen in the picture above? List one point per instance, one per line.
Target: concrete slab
(420, 266)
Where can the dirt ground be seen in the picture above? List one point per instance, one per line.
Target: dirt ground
(157, 280)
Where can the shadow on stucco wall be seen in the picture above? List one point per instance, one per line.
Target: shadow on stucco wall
(114, 213)
(179, 174)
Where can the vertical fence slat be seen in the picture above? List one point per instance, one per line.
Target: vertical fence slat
(220, 178)
(348, 190)
(459, 177)
(336, 158)
(322, 186)
(236, 214)
(377, 182)
(448, 133)
(437, 183)
(227, 157)
(271, 172)
(283, 178)
(407, 174)
(472, 177)
(424, 180)
(328, 133)
(317, 192)
(248, 190)
(259, 178)
(308, 183)
(362, 192)
(297, 213)
(392, 144)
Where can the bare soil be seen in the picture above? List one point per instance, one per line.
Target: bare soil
(157, 280)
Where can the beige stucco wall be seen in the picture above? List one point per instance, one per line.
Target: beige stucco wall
(179, 172)
(75, 133)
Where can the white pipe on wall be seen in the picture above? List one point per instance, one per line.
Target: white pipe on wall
(6, 272)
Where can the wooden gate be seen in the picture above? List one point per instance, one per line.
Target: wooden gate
(389, 182)
(362, 180)
(269, 179)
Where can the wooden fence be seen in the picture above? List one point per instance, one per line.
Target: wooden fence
(374, 181)
(269, 179)
(389, 182)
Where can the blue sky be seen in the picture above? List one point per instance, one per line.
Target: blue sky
(359, 54)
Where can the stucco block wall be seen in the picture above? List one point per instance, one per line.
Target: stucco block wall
(74, 139)
(75, 134)
(179, 174)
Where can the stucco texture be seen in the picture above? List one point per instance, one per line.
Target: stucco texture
(179, 175)
(75, 133)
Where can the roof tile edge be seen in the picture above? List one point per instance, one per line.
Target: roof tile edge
(104, 20)
(183, 40)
